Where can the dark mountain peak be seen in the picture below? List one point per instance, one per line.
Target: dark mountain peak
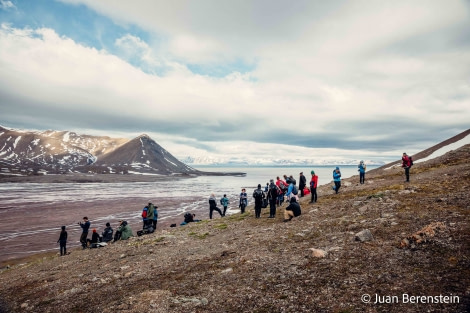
(34, 152)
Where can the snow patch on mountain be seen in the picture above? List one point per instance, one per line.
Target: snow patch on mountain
(453, 146)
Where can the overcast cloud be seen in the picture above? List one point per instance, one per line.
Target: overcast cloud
(306, 79)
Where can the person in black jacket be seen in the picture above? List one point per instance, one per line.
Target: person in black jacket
(63, 241)
(95, 238)
(273, 193)
(107, 233)
(259, 195)
(293, 210)
(302, 183)
(85, 226)
(213, 206)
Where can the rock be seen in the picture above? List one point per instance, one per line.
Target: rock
(227, 270)
(364, 235)
(363, 209)
(122, 256)
(318, 253)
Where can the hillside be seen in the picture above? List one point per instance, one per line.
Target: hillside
(419, 247)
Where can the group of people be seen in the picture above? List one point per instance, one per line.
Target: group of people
(123, 232)
(149, 218)
(273, 195)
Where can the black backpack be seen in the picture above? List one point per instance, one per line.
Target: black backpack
(258, 194)
(411, 160)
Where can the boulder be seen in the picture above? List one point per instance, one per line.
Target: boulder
(364, 235)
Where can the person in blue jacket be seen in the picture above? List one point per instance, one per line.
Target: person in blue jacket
(337, 179)
(362, 172)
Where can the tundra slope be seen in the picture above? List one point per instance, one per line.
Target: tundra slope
(243, 264)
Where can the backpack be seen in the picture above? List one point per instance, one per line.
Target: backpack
(265, 203)
(258, 194)
(294, 190)
(144, 212)
(282, 186)
(411, 160)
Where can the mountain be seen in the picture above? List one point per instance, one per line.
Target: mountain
(143, 154)
(211, 161)
(437, 150)
(24, 153)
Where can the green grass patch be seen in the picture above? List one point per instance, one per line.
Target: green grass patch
(199, 236)
(221, 226)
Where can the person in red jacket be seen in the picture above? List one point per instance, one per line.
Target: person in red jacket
(406, 164)
(313, 187)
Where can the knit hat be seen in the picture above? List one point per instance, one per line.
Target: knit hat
(337, 168)
(312, 172)
(107, 224)
(94, 230)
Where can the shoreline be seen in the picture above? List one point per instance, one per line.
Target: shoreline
(106, 178)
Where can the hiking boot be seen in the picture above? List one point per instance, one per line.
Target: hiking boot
(286, 221)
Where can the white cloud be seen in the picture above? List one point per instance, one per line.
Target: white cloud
(6, 5)
(322, 70)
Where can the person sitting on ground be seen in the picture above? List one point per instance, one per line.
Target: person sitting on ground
(123, 232)
(189, 218)
(107, 233)
(95, 238)
(292, 210)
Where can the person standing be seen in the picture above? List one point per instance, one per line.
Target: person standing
(85, 226)
(259, 195)
(155, 217)
(406, 164)
(243, 200)
(273, 193)
(224, 202)
(282, 185)
(337, 179)
(145, 212)
(213, 206)
(313, 187)
(302, 184)
(150, 215)
(63, 241)
(362, 171)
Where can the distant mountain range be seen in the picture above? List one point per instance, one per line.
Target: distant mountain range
(59, 152)
(24, 153)
(211, 161)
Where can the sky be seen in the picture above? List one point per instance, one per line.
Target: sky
(224, 79)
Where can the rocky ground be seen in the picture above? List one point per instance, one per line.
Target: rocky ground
(386, 238)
